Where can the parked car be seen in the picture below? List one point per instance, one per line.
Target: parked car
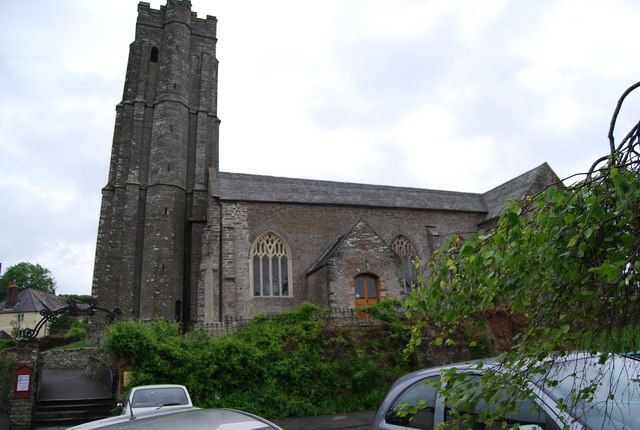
(192, 419)
(149, 397)
(125, 418)
(615, 403)
(147, 400)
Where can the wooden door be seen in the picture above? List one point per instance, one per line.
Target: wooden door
(367, 290)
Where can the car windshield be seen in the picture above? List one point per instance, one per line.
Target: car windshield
(601, 395)
(150, 397)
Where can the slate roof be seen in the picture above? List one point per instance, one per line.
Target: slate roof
(527, 184)
(327, 254)
(30, 300)
(257, 188)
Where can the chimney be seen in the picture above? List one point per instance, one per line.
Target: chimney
(12, 295)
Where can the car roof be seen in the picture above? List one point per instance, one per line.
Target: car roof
(419, 374)
(488, 362)
(158, 386)
(196, 419)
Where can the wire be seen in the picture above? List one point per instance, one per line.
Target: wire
(71, 265)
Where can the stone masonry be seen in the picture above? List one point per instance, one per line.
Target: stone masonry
(154, 204)
(22, 409)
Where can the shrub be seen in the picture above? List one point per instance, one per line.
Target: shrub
(78, 329)
(7, 364)
(60, 325)
(7, 344)
(288, 365)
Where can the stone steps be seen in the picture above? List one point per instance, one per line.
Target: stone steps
(68, 412)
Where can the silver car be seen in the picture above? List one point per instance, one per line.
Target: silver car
(150, 397)
(192, 419)
(615, 403)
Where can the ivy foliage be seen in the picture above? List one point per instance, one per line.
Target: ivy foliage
(290, 365)
(565, 260)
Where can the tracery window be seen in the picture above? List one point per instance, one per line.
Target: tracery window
(408, 254)
(270, 267)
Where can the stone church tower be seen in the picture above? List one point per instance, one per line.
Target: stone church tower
(165, 140)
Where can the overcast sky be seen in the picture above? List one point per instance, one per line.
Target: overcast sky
(455, 95)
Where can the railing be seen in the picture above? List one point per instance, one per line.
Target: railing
(100, 371)
(334, 317)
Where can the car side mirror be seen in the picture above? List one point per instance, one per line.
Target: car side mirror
(119, 405)
(530, 427)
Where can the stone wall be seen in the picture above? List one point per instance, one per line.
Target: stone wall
(99, 365)
(309, 231)
(363, 252)
(22, 410)
(67, 359)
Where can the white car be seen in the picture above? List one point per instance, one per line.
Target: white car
(151, 397)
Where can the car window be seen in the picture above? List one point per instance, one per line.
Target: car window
(150, 397)
(614, 385)
(415, 406)
(527, 412)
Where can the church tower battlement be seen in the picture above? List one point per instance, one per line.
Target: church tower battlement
(165, 140)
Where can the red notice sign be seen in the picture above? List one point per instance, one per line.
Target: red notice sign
(24, 382)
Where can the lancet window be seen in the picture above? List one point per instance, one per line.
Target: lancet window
(153, 57)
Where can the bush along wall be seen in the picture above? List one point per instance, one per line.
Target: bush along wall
(7, 369)
(293, 364)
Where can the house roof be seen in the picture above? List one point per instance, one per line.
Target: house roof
(256, 188)
(30, 300)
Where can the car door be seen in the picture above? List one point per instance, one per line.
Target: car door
(415, 407)
(529, 411)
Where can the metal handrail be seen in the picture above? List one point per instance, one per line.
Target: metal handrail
(107, 380)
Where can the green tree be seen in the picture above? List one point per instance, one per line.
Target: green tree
(28, 275)
(566, 260)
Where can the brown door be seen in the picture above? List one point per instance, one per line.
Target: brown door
(367, 291)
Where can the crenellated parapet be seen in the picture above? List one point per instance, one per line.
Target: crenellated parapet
(177, 11)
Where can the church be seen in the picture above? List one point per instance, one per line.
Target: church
(181, 240)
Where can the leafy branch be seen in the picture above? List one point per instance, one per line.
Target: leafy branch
(567, 260)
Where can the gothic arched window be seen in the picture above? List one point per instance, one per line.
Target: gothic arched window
(408, 254)
(270, 267)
